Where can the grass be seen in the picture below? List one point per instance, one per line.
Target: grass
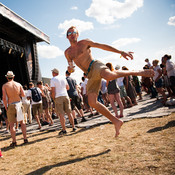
(145, 146)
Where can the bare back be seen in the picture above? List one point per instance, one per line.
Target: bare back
(80, 54)
(13, 91)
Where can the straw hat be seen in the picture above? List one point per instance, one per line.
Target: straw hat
(10, 74)
(55, 70)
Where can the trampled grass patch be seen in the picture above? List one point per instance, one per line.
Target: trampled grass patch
(144, 146)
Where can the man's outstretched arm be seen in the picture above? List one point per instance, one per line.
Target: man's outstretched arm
(109, 48)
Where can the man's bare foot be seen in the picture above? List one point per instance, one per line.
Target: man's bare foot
(117, 126)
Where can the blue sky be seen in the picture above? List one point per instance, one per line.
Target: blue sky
(146, 27)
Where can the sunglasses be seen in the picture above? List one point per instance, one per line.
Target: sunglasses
(70, 33)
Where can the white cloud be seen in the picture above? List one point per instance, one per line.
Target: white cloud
(108, 11)
(171, 21)
(112, 26)
(74, 8)
(49, 51)
(125, 41)
(81, 25)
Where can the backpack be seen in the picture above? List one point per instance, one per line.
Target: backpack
(36, 96)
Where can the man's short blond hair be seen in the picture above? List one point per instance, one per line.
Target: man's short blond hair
(72, 27)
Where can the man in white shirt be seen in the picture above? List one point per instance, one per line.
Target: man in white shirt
(59, 87)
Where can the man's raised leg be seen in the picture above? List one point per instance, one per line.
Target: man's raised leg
(92, 98)
(111, 75)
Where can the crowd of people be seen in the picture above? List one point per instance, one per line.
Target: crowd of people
(102, 85)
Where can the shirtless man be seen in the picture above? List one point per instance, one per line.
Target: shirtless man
(80, 53)
(12, 93)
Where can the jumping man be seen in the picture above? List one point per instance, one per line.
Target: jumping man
(79, 52)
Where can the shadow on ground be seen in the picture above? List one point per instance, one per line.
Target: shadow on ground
(168, 125)
(49, 167)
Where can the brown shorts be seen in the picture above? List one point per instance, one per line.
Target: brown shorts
(62, 105)
(11, 113)
(37, 109)
(94, 77)
(45, 103)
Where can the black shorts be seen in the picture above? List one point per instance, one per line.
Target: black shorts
(172, 80)
(75, 101)
(159, 84)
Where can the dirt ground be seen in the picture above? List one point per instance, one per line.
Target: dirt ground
(145, 146)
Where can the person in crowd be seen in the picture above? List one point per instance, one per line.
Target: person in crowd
(59, 87)
(144, 86)
(35, 95)
(46, 102)
(80, 53)
(129, 87)
(123, 93)
(158, 80)
(104, 93)
(114, 94)
(27, 106)
(52, 105)
(85, 97)
(1, 153)
(1, 123)
(148, 85)
(80, 95)
(48, 87)
(170, 68)
(12, 93)
(99, 98)
(4, 116)
(166, 80)
(137, 86)
(148, 62)
(75, 99)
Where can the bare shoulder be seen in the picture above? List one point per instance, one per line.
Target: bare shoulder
(4, 85)
(67, 50)
(85, 41)
(17, 84)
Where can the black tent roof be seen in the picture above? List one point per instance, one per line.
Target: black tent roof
(15, 26)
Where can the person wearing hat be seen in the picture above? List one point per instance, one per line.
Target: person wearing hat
(12, 93)
(59, 87)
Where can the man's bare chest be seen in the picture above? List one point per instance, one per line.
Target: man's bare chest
(76, 53)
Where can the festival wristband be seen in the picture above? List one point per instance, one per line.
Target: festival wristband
(121, 54)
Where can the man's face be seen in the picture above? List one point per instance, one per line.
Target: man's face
(30, 86)
(72, 34)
